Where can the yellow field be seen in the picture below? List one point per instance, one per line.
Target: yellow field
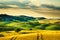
(31, 35)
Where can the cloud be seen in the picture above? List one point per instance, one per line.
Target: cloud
(51, 6)
(35, 2)
(23, 4)
(4, 6)
(7, 0)
(16, 4)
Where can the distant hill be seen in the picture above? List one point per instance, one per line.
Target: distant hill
(23, 18)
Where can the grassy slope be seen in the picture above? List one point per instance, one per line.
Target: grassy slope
(49, 21)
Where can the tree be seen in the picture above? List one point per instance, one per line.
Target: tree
(17, 29)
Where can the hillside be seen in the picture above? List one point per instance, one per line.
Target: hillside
(9, 23)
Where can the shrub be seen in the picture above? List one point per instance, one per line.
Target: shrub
(30, 29)
(17, 29)
(1, 35)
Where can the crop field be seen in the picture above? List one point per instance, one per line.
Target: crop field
(31, 35)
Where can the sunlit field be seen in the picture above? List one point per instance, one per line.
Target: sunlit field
(49, 21)
(31, 35)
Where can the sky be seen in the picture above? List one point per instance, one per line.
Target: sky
(35, 8)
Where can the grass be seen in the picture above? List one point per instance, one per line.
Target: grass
(31, 35)
(49, 21)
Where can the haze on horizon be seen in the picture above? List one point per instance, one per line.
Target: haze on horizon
(36, 8)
